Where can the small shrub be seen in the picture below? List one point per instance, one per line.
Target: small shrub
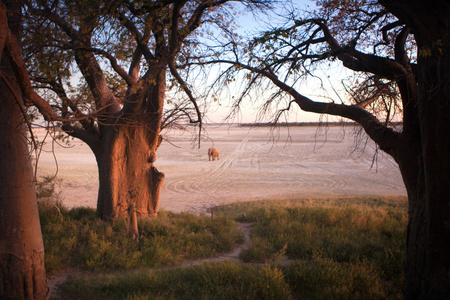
(260, 250)
(45, 187)
(85, 214)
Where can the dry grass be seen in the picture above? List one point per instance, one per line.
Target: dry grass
(346, 248)
(78, 238)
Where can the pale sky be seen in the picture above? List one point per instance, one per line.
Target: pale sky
(249, 113)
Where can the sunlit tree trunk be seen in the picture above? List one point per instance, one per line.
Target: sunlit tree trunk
(22, 274)
(123, 52)
(126, 157)
(127, 174)
(22, 270)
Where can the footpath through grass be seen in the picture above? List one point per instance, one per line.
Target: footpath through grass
(347, 248)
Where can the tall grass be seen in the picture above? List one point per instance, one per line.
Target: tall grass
(222, 280)
(318, 278)
(363, 236)
(324, 278)
(338, 248)
(239, 210)
(343, 234)
(77, 237)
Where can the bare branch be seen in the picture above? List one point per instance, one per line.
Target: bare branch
(375, 129)
(358, 61)
(188, 92)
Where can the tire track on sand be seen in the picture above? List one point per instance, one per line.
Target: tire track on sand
(208, 181)
(228, 162)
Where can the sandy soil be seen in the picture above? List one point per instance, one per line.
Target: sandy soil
(255, 163)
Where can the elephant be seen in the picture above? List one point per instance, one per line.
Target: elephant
(213, 153)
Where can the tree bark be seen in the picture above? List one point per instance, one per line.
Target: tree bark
(410, 161)
(127, 174)
(429, 277)
(22, 274)
(427, 272)
(126, 157)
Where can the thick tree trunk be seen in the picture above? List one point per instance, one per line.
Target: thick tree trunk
(411, 166)
(126, 172)
(127, 175)
(428, 268)
(22, 274)
(434, 115)
(427, 272)
(424, 161)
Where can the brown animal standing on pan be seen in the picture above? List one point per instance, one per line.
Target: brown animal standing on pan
(213, 153)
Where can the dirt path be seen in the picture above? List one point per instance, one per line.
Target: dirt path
(55, 280)
(232, 255)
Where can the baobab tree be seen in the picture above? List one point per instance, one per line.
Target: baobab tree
(399, 51)
(124, 52)
(22, 271)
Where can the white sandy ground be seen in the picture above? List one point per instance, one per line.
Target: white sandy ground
(255, 163)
